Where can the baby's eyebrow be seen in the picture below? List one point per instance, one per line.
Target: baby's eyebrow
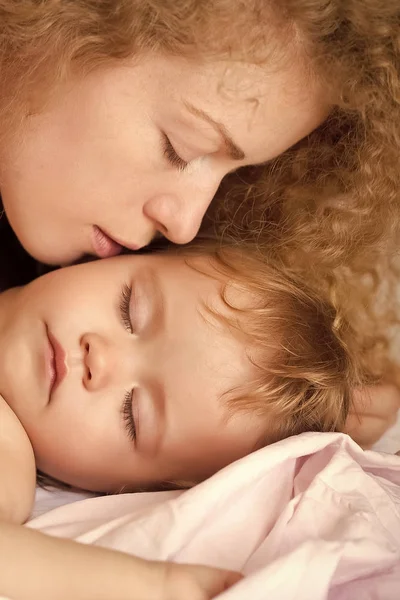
(155, 289)
(232, 149)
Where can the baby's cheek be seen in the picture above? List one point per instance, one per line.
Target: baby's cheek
(59, 450)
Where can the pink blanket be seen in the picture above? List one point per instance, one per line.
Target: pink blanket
(310, 518)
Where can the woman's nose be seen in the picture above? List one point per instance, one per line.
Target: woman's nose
(177, 218)
(99, 362)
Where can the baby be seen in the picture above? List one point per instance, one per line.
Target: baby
(149, 371)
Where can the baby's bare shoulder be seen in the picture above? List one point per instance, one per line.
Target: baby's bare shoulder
(17, 468)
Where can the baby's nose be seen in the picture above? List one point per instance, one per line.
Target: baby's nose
(99, 362)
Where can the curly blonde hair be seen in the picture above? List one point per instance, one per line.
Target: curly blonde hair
(300, 344)
(329, 207)
(327, 204)
(336, 193)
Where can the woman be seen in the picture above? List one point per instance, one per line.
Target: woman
(120, 118)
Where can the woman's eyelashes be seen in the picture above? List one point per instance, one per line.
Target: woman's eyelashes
(127, 415)
(171, 154)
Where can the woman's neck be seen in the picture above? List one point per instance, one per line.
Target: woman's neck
(16, 266)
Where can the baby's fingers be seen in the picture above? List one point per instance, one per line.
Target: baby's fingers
(215, 581)
(198, 582)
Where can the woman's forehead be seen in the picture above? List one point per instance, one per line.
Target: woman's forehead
(263, 109)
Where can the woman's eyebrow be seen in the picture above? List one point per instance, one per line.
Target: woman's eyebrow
(231, 148)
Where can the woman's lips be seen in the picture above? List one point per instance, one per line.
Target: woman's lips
(56, 367)
(105, 246)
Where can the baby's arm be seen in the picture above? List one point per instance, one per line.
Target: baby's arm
(17, 468)
(35, 566)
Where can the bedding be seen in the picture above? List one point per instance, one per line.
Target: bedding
(310, 518)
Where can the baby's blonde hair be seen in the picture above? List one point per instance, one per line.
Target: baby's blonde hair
(299, 342)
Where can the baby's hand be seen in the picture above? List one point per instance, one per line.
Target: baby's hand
(374, 411)
(184, 582)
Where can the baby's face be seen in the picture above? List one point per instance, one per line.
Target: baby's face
(117, 371)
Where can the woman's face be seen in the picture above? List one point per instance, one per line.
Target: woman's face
(141, 148)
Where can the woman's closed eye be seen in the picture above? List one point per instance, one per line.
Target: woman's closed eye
(172, 156)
